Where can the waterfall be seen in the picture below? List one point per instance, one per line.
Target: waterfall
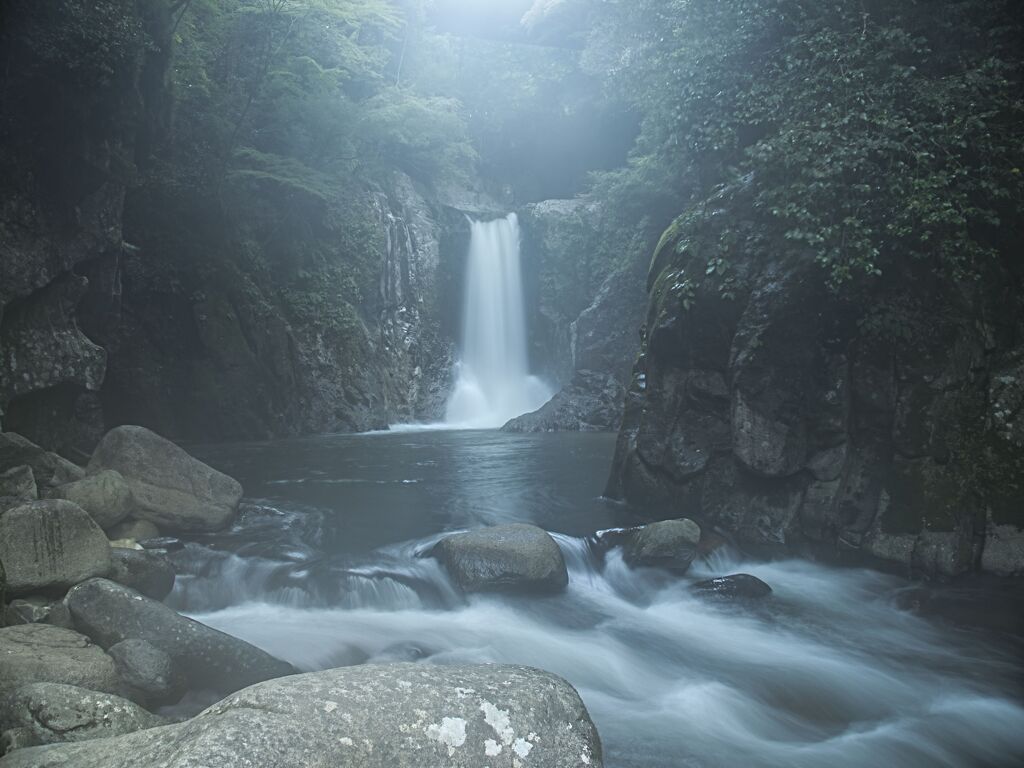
(493, 383)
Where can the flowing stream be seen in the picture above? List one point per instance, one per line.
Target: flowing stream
(326, 568)
(493, 383)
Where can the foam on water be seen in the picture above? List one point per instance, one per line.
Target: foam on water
(828, 671)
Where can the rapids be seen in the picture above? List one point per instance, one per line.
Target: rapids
(326, 567)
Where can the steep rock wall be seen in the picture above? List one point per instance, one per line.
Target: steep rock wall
(885, 428)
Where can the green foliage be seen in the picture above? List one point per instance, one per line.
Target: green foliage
(872, 136)
(86, 40)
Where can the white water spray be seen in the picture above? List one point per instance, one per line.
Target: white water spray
(493, 383)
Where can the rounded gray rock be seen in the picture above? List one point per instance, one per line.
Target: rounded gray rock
(51, 713)
(170, 488)
(40, 653)
(147, 572)
(208, 659)
(388, 716)
(104, 495)
(668, 544)
(50, 545)
(147, 673)
(519, 558)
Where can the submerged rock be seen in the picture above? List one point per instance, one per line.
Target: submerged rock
(40, 653)
(110, 613)
(147, 572)
(147, 673)
(390, 716)
(504, 558)
(50, 545)
(668, 544)
(51, 713)
(104, 495)
(170, 488)
(736, 585)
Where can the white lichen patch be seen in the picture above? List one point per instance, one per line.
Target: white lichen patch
(451, 732)
(585, 756)
(492, 748)
(330, 706)
(522, 748)
(345, 741)
(499, 720)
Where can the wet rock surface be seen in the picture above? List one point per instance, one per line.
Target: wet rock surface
(592, 401)
(111, 613)
(168, 487)
(104, 495)
(877, 432)
(33, 653)
(148, 573)
(392, 716)
(736, 585)
(668, 544)
(514, 558)
(50, 545)
(147, 673)
(53, 713)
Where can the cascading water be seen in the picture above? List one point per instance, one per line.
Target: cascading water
(493, 383)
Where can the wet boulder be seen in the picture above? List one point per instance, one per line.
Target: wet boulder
(170, 488)
(517, 558)
(19, 483)
(389, 716)
(104, 495)
(668, 544)
(741, 585)
(147, 673)
(48, 546)
(210, 660)
(40, 653)
(147, 572)
(51, 713)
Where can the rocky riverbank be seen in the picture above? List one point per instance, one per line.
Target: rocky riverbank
(90, 656)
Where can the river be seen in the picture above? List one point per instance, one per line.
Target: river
(325, 567)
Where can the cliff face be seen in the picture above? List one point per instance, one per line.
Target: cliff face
(884, 428)
(264, 308)
(586, 296)
(276, 316)
(70, 117)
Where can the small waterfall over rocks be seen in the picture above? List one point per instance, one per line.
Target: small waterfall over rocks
(493, 383)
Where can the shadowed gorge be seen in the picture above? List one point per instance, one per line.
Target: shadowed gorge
(526, 383)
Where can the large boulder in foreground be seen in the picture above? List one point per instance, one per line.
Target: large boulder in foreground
(51, 713)
(104, 495)
(170, 488)
(40, 653)
(518, 558)
(208, 659)
(50, 545)
(668, 544)
(388, 716)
